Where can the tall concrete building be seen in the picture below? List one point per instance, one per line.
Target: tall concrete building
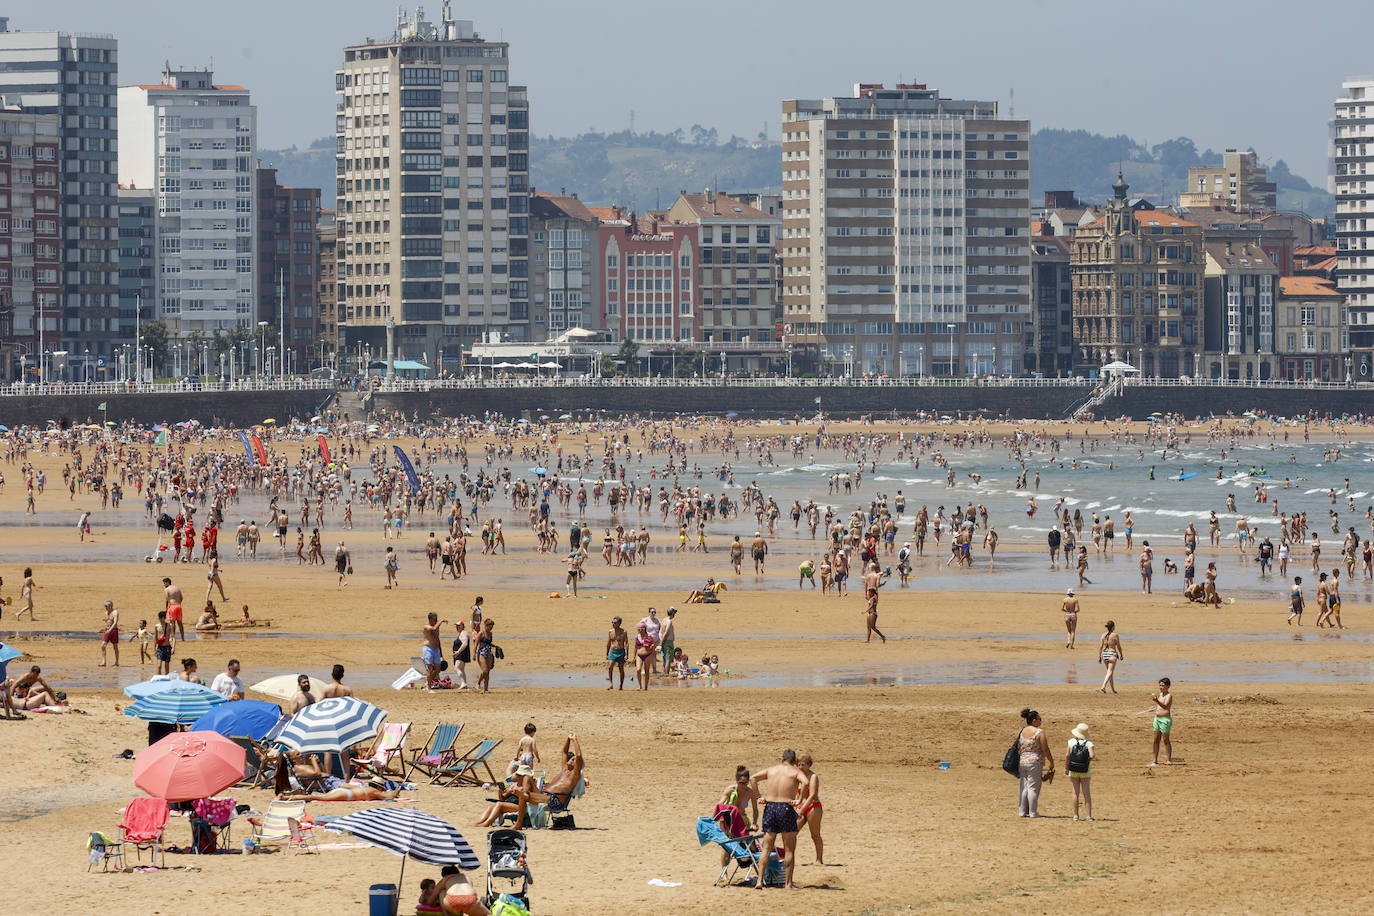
(432, 189)
(1240, 183)
(564, 267)
(327, 289)
(30, 241)
(288, 268)
(1240, 286)
(194, 142)
(74, 77)
(906, 232)
(137, 271)
(1352, 182)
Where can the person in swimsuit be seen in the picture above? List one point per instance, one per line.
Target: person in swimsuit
(163, 643)
(486, 656)
(1109, 653)
(810, 810)
(558, 793)
(1333, 601)
(644, 654)
(1164, 721)
(462, 654)
(453, 894)
(26, 592)
(109, 633)
(521, 785)
(375, 790)
(786, 784)
(1147, 568)
(1082, 782)
(617, 641)
(1070, 609)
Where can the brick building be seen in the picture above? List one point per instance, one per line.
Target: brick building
(30, 241)
(288, 268)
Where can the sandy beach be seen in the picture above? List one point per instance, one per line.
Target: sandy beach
(1261, 811)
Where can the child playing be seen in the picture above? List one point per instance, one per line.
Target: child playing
(527, 754)
(143, 638)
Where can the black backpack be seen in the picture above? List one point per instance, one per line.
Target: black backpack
(1079, 757)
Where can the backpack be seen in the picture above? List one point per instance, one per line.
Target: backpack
(1079, 757)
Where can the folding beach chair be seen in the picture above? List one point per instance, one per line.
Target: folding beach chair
(282, 824)
(104, 850)
(437, 752)
(258, 768)
(213, 821)
(742, 854)
(387, 757)
(144, 821)
(464, 770)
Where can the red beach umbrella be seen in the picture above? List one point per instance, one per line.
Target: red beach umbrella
(188, 765)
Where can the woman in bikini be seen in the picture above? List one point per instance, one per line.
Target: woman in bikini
(375, 790)
(644, 651)
(810, 810)
(486, 657)
(1109, 652)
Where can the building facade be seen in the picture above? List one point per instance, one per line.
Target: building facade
(1240, 183)
(326, 289)
(1239, 292)
(906, 232)
(288, 268)
(194, 142)
(565, 275)
(433, 190)
(1137, 290)
(137, 271)
(74, 77)
(1050, 351)
(735, 278)
(649, 277)
(30, 243)
(1310, 332)
(1352, 182)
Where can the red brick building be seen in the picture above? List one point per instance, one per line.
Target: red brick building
(648, 273)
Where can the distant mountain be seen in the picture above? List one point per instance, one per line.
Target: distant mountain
(646, 170)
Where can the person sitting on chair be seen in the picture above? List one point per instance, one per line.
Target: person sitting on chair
(522, 785)
(558, 793)
(698, 595)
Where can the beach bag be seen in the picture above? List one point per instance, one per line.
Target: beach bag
(562, 821)
(203, 838)
(1011, 761)
(1079, 757)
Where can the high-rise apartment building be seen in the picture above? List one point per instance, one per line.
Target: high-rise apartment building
(906, 232)
(1240, 286)
(432, 189)
(30, 241)
(1352, 182)
(1240, 183)
(137, 271)
(288, 268)
(564, 267)
(194, 141)
(74, 77)
(327, 290)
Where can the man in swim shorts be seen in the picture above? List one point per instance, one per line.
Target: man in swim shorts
(430, 650)
(1163, 721)
(616, 642)
(759, 547)
(172, 598)
(786, 783)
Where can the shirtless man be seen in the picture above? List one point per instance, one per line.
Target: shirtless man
(558, 793)
(109, 633)
(430, 649)
(171, 595)
(336, 687)
(31, 691)
(873, 580)
(1070, 609)
(1147, 569)
(432, 551)
(341, 563)
(617, 642)
(254, 536)
(759, 548)
(786, 785)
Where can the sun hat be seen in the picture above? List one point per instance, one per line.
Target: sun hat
(524, 770)
(1068, 591)
(377, 782)
(1081, 732)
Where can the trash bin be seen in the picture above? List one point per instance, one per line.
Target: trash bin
(382, 900)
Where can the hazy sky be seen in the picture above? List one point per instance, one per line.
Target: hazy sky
(1261, 73)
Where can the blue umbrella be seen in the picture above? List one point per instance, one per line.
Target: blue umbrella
(8, 652)
(731, 415)
(181, 705)
(540, 471)
(246, 718)
(4, 429)
(331, 725)
(158, 685)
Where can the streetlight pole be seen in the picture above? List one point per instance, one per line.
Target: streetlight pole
(953, 359)
(281, 321)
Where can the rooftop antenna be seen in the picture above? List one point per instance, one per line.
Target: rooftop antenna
(1011, 102)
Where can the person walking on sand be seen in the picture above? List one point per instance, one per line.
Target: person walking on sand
(392, 565)
(109, 633)
(1036, 766)
(1147, 568)
(1083, 567)
(462, 654)
(1070, 609)
(617, 642)
(759, 547)
(430, 650)
(213, 580)
(786, 785)
(644, 656)
(1109, 653)
(1295, 601)
(172, 599)
(873, 580)
(1079, 766)
(810, 809)
(1164, 721)
(26, 592)
(342, 563)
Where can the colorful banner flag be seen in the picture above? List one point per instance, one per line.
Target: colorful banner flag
(262, 452)
(247, 448)
(161, 439)
(324, 450)
(409, 469)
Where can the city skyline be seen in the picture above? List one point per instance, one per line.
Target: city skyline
(1219, 96)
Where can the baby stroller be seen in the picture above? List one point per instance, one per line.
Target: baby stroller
(506, 850)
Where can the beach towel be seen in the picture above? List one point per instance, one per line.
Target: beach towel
(734, 823)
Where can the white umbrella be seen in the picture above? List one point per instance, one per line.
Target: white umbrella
(284, 686)
(1119, 366)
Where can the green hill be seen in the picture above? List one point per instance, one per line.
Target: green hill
(647, 170)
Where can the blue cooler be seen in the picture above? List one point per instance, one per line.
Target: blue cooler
(382, 900)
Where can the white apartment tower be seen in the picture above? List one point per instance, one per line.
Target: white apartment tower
(194, 143)
(1352, 182)
(906, 232)
(433, 191)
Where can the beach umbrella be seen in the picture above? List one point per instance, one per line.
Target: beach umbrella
(8, 652)
(269, 422)
(4, 429)
(332, 725)
(409, 833)
(732, 415)
(188, 765)
(248, 718)
(284, 686)
(158, 684)
(540, 471)
(565, 416)
(180, 705)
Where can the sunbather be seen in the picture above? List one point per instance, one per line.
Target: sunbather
(32, 692)
(558, 793)
(512, 797)
(301, 767)
(374, 790)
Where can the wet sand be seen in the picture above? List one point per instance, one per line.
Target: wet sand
(1266, 813)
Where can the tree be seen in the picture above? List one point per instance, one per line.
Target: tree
(628, 355)
(153, 338)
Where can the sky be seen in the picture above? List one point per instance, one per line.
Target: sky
(1259, 74)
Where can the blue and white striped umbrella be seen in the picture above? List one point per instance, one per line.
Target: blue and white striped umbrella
(181, 705)
(140, 689)
(332, 725)
(408, 832)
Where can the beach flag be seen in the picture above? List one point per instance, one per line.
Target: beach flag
(100, 406)
(324, 449)
(247, 448)
(408, 468)
(161, 439)
(818, 400)
(262, 452)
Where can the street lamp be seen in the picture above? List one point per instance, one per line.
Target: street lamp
(920, 359)
(953, 360)
(88, 364)
(262, 343)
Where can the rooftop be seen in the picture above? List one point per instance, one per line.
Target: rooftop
(1307, 286)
